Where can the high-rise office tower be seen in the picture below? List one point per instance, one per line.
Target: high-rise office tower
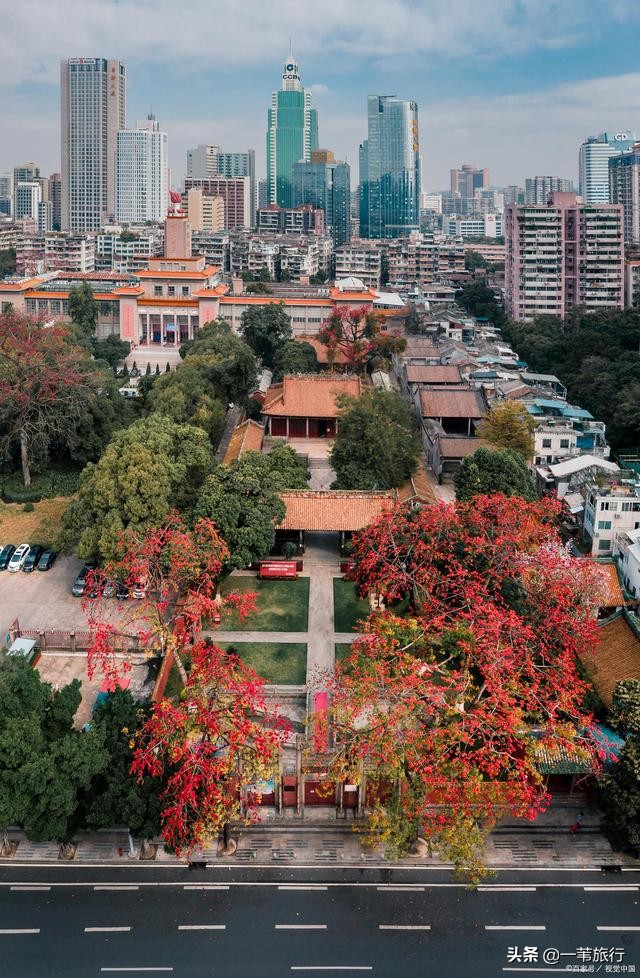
(595, 153)
(202, 162)
(93, 109)
(468, 179)
(142, 173)
(537, 189)
(292, 134)
(6, 193)
(27, 198)
(326, 184)
(390, 169)
(55, 196)
(23, 173)
(624, 179)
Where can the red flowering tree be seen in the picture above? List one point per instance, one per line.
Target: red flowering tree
(172, 575)
(223, 733)
(356, 333)
(454, 699)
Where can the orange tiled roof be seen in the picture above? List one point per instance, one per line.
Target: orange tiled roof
(367, 296)
(418, 488)
(332, 509)
(167, 301)
(461, 447)
(217, 290)
(322, 352)
(310, 395)
(44, 294)
(433, 374)
(27, 283)
(617, 654)
(247, 437)
(447, 402)
(129, 290)
(158, 273)
(265, 300)
(614, 595)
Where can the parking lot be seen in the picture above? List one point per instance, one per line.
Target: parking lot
(42, 600)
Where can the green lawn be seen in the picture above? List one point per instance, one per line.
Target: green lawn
(348, 609)
(282, 606)
(283, 664)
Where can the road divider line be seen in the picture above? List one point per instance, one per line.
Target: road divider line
(202, 927)
(404, 926)
(611, 889)
(205, 886)
(30, 889)
(301, 886)
(390, 888)
(106, 930)
(332, 967)
(131, 970)
(623, 927)
(507, 889)
(116, 886)
(516, 927)
(300, 926)
(19, 930)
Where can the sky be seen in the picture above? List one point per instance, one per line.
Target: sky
(512, 85)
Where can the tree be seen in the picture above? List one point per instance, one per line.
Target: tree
(223, 734)
(45, 763)
(480, 300)
(488, 471)
(47, 384)
(242, 500)
(454, 701)
(621, 787)
(375, 447)
(509, 426)
(295, 357)
(112, 350)
(473, 259)
(7, 262)
(266, 329)
(185, 396)
(225, 361)
(146, 471)
(83, 309)
(357, 334)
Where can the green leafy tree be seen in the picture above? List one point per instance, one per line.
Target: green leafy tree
(83, 309)
(112, 350)
(509, 426)
(242, 499)
(478, 299)
(226, 362)
(488, 471)
(146, 471)
(185, 396)
(7, 262)
(295, 358)
(266, 329)
(620, 789)
(375, 446)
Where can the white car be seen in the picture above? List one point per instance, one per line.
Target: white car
(19, 557)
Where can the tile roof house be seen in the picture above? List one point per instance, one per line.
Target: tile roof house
(247, 437)
(617, 654)
(456, 409)
(331, 510)
(306, 405)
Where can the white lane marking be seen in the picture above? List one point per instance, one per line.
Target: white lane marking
(20, 930)
(514, 927)
(205, 886)
(130, 970)
(404, 926)
(611, 889)
(300, 886)
(623, 927)
(116, 886)
(507, 889)
(30, 889)
(300, 926)
(331, 967)
(390, 888)
(106, 930)
(202, 927)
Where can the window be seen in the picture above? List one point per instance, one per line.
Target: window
(604, 544)
(185, 290)
(171, 290)
(564, 443)
(546, 443)
(157, 290)
(604, 524)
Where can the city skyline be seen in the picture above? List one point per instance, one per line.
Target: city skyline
(496, 92)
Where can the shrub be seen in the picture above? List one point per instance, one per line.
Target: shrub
(28, 508)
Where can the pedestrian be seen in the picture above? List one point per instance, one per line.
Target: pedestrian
(577, 825)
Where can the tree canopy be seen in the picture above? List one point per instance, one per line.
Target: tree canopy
(621, 786)
(509, 426)
(295, 357)
(375, 446)
(83, 309)
(186, 395)
(146, 471)
(480, 300)
(242, 500)
(489, 471)
(224, 361)
(266, 329)
(357, 334)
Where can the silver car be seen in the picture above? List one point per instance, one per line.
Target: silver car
(19, 557)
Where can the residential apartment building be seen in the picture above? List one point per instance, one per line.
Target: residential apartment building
(624, 182)
(422, 259)
(626, 550)
(127, 253)
(537, 189)
(390, 169)
(205, 212)
(611, 511)
(208, 161)
(594, 157)
(562, 255)
(236, 194)
(359, 259)
(142, 173)
(632, 282)
(304, 219)
(28, 196)
(481, 226)
(93, 109)
(69, 253)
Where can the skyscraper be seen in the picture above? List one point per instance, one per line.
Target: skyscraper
(93, 108)
(595, 153)
(390, 169)
(142, 173)
(324, 183)
(537, 189)
(292, 134)
(624, 177)
(28, 197)
(468, 179)
(55, 196)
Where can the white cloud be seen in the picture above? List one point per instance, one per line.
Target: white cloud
(228, 32)
(318, 89)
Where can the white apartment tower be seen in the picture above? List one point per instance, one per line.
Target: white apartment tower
(93, 109)
(27, 199)
(142, 173)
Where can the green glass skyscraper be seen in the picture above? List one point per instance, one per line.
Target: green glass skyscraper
(390, 169)
(292, 134)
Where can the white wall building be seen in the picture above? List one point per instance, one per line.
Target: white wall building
(28, 197)
(142, 173)
(609, 512)
(627, 550)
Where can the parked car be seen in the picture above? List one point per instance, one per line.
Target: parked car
(47, 560)
(18, 558)
(109, 589)
(122, 592)
(33, 557)
(5, 556)
(139, 590)
(79, 586)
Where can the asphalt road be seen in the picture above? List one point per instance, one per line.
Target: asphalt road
(62, 922)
